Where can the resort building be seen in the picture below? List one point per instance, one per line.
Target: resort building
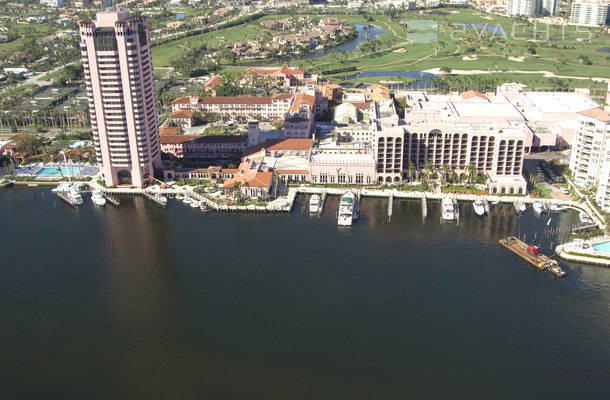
(271, 107)
(342, 168)
(253, 178)
(590, 158)
(203, 148)
(119, 80)
(183, 118)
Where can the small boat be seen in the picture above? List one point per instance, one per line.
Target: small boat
(98, 198)
(538, 207)
(204, 207)
(179, 197)
(448, 209)
(348, 209)
(479, 207)
(75, 197)
(314, 203)
(557, 208)
(553, 267)
(161, 199)
(519, 206)
(584, 218)
(495, 203)
(194, 204)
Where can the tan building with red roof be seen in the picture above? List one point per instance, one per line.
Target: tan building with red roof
(253, 177)
(201, 148)
(184, 118)
(270, 107)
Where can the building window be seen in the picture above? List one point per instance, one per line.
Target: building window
(323, 177)
(341, 177)
(350, 179)
(359, 178)
(332, 179)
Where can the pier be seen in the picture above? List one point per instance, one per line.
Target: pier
(322, 202)
(153, 198)
(531, 255)
(112, 199)
(390, 205)
(424, 206)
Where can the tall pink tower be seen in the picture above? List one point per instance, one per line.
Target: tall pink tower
(119, 78)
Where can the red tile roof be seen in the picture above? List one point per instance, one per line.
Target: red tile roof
(473, 93)
(235, 100)
(597, 113)
(281, 144)
(182, 114)
(213, 82)
(169, 130)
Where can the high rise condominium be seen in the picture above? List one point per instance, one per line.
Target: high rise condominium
(119, 78)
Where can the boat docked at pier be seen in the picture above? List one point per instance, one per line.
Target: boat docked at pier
(159, 198)
(75, 197)
(449, 209)
(584, 218)
(348, 209)
(314, 203)
(538, 207)
(98, 198)
(479, 208)
(519, 206)
(557, 208)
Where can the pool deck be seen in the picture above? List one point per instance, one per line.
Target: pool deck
(576, 252)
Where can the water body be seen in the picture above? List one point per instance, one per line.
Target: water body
(490, 28)
(604, 49)
(423, 79)
(365, 32)
(143, 302)
(180, 15)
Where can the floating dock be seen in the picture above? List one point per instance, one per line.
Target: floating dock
(536, 259)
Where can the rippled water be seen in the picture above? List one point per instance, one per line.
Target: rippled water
(143, 302)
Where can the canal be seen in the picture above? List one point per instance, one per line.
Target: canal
(145, 302)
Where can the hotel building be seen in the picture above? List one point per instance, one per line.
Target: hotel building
(119, 80)
(270, 107)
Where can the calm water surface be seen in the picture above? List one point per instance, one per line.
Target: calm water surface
(142, 302)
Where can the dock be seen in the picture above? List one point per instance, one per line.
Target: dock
(112, 199)
(536, 259)
(390, 205)
(153, 198)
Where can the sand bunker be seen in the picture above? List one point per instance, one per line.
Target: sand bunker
(469, 58)
(400, 50)
(517, 59)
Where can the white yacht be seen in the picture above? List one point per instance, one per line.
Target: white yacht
(161, 199)
(479, 207)
(538, 207)
(98, 198)
(557, 208)
(520, 206)
(584, 218)
(448, 209)
(63, 187)
(75, 197)
(314, 203)
(348, 209)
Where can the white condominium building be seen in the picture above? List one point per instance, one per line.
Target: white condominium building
(589, 13)
(522, 7)
(118, 76)
(590, 156)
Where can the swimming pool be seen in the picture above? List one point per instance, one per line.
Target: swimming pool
(603, 247)
(59, 171)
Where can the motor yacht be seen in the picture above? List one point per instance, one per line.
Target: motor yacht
(314, 203)
(75, 197)
(448, 209)
(479, 207)
(538, 207)
(98, 198)
(520, 207)
(348, 209)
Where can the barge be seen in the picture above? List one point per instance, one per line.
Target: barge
(532, 255)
